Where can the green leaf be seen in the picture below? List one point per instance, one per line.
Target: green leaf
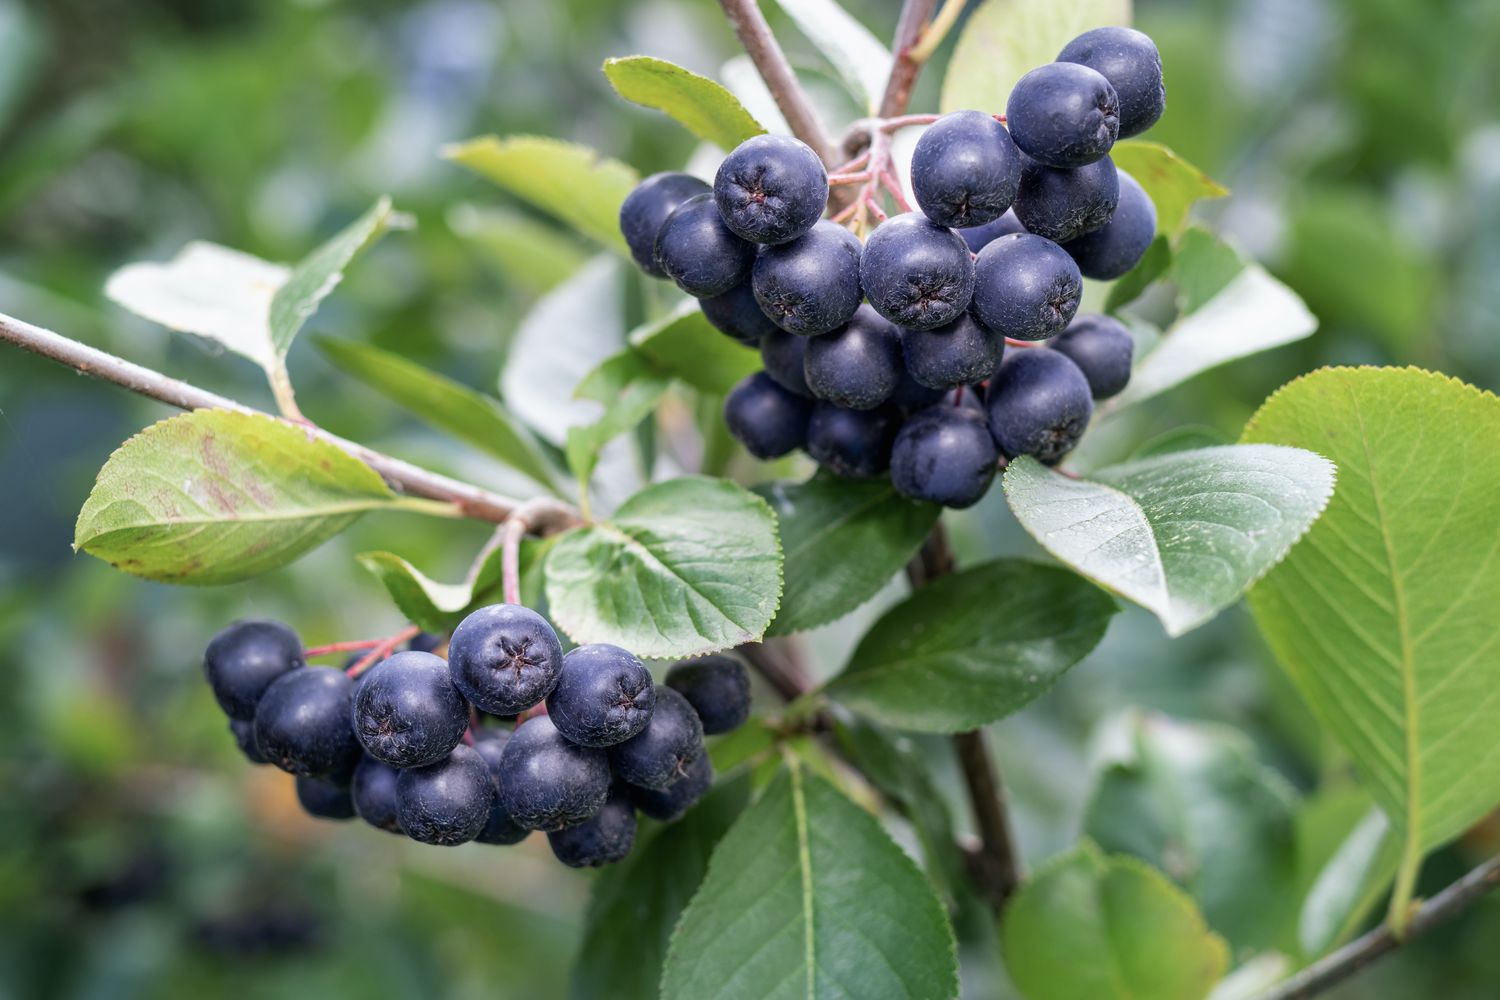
(630, 388)
(1183, 534)
(684, 345)
(857, 55)
(843, 540)
(700, 105)
(972, 647)
(808, 896)
(1383, 617)
(571, 182)
(439, 607)
(535, 255)
(215, 496)
(1172, 182)
(1193, 801)
(684, 567)
(1152, 265)
(1088, 927)
(636, 903)
(1349, 885)
(1006, 39)
(442, 402)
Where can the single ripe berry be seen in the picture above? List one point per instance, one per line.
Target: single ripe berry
(737, 315)
(302, 722)
(1129, 61)
(1039, 405)
(1111, 251)
(1026, 287)
(604, 696)
(916, 273)
(857, 366)
(1063, 114)
(447, 802)
(945, 455)
(767, 419)
(667, 805)
(810, 285)
(718, 688)
(695, 249)
(1102, 349)
(855, 444)
(964, 170)
(373, 791)
(961, 353)
(244, 738)
(660, 753)
(547, 782)
(771, 189)
(783, 354)
(501, 828)
(979, 237)
(1063, 204)
(243, 660)
(504, 658)
(645, 209)
(407, 711)
(325, 798)
(602, 839)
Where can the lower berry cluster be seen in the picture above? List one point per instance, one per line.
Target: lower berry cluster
(891, 356)
(401, 745)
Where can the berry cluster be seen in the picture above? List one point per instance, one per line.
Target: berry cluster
(891, 356)
(400, 744)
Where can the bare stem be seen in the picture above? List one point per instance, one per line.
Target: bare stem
(510, 560)
(381, 651)
(909, 28)
(770, 61)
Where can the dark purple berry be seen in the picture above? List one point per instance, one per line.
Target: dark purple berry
(501, 828)
(696, 250)
(1063, 204)
(945, 455)
(978, 237)
(645, 209)
(602, 839)
(718, 688)
(855, 444)
(737, 315)
(1026, 287)
(857, 366)
(771, 189)
(504, 658)
(1064, 115)
(767, 419)
(407, 711)
(667, 805)
(917, 274)
(325, 798)
(660, 753)
(302, 722)
(1039, 405)
(603, 697)
(1129, 61)
(244, 738)
(447, 802)
(374, 794)
(782, 353)
(243, 660)
(1110, 252)
(964, 170)
(961, 353)
(810, 285)
(546, 781)
(1102, 349)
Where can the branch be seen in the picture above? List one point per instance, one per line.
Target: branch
(545, 515)
(1334, 968)
(909, 28)
(770, 61)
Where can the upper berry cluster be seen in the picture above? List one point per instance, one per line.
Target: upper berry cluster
(871, 350)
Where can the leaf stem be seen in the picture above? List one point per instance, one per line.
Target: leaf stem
(936, 31)
(510, 560)
(432, 508)
(770, 61)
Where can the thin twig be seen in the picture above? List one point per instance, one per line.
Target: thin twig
(510, 560)
(789, 680)
(546, 515)
(771, 62)
(1337, 966)
(909, 27)
(381, 651)
(349, 646)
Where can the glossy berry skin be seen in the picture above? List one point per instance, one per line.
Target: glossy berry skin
(783, 354)
(979, 237)
(1129, 61)
(1063, 114)
(855, 444)
(244, 738)
(500, 828)
(771, 189)
(964, 170)
(243, 659)
(767, 419)
(696, 250)
(718, 688)
(302, 722)
(857, 366)
(407, 711)
(917, 274)
(1039, 405)
(1111, 251)
(659, 754)
(547, 782)
(324, 798)
(1102, 349)
(603, 839)
(447, 802)
(945, 455)
(667, 805)
(603, 697)
(504, 658)
(374, 794)
(961, 353)
(810, 285)
(737, 315)
(1062, 205)
(645, 209)
(1026, 287)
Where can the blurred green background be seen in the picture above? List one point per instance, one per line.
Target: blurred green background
(141, 857)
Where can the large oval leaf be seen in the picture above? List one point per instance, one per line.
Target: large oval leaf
(215, 496)
(684, 567)
(1182, 534)
(972, 647)
(1173, 183)
(685, 345)
(1384, 616)
(702, 106)
(808, 896)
